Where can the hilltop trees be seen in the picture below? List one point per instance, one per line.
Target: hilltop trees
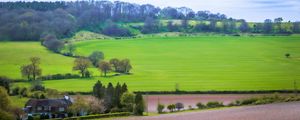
(82, 64)
(33, 70)
(267, 28)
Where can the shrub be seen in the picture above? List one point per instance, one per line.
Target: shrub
(160, 108)
(200, 105)
(100, 116)
(248, 101)
(59, 76)
(171, 107)
(179, 106)
(214, 104)
(190, 107)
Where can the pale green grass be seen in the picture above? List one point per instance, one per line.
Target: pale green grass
(197, 63)
(15, 54)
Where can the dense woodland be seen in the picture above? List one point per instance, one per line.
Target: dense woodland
(33, 21)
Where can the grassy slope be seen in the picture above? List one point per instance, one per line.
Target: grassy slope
(15, 54)
(198, 63)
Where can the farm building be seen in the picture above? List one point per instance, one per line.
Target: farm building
(50, 108)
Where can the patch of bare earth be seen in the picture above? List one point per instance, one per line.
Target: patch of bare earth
(277, 111)
(192, 100)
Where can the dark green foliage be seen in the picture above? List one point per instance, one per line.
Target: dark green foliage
(287, 55)
(267, 28)
(200, 105)
(117, 94)
(171, 107)
(99, 90)
(214, 104)
(139, 104)
(115, 30)
(37, 86)
(88, 117)
(179, 106)
(160, 108)
(109, 96)
(52, 43)
(58, 76)
(96, 57)
(124, 88)
(150, 26)
(5, 82)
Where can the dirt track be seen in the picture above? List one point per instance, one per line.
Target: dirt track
(278, 111)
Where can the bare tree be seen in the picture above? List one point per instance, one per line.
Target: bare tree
(104, 67)
(82, 65)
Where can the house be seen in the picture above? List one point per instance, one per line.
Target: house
(52, 108)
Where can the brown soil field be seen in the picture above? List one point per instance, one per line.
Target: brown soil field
(192, 100)
(277, 111)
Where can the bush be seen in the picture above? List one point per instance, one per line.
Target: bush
(200, 105)
(100, 116)
(179, 106)
(171, 107)
(160, 108)
(248, 101)
(190, 107)
(214, 104)
(59, 76)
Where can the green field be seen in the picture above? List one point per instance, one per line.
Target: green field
(15, 54)
(195, 63)
(198, 63)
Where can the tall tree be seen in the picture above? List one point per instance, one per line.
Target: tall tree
(124, 88)
(268, 26)
(125, 66)
(115, 63)
(109, 96)
(118, 94)
(96, 57)
(104, 67)
(82, 64)
(33, 70)
(139, 104)
(99, 90)
(278, 22)
(244, 27)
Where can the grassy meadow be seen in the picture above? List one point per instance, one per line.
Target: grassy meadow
(15, 54)
(195, 63)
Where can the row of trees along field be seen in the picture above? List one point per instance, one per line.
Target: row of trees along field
(23, 21)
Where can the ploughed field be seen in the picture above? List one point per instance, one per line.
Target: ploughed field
(194, 63)
(276, 111)
(191, 100)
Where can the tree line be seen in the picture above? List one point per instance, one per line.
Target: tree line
(29, 21)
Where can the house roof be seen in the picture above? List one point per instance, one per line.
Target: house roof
(48, 102)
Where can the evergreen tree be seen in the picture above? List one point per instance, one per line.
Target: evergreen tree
(117, 95)
(109, 96)
(124, 88)
(99, 90)
(139, 104)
